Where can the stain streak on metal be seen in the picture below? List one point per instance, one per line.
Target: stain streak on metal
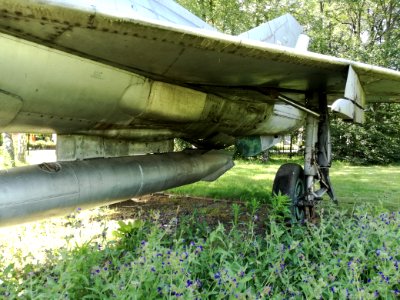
(172, 64)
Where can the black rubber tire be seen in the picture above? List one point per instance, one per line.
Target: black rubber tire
(289, 180)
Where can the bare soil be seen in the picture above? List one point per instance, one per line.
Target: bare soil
(204, 210)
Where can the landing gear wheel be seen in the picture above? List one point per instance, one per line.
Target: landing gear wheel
(289, 180)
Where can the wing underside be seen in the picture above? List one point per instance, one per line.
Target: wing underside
(195, 57)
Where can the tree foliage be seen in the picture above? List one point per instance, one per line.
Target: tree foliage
(365, 30)
(375, 142)
(362, 30)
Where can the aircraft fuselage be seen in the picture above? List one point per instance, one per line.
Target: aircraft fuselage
(46, 90)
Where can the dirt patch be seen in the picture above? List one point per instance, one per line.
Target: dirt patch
(204, 210)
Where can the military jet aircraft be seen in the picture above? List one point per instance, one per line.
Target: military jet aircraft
(119, 80)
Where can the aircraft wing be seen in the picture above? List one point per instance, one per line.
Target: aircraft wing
(196, 56)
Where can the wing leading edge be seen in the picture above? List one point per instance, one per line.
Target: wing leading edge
(186, 55)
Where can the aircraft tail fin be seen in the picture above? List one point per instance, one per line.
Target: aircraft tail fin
(170, 11)
(285, 31)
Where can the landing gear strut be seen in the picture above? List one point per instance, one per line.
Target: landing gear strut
(299, 185)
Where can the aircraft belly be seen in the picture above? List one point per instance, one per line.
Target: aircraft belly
(10, 105)
(63, 90)
(58, 92)
(285, 118)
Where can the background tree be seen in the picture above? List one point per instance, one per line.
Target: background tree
(22, 146)
(8, 146)
(363, 30)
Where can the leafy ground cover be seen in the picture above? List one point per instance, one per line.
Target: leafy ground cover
(342, 257)
(254, 254)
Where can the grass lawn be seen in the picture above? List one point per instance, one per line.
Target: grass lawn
(377, 185)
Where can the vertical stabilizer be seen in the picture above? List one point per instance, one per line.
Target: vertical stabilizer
(170, 11)
(284, 31)
(159, 10)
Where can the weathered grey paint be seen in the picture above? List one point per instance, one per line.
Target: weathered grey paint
(78, 147)
(351, 107)
(94, 80)
(90, 98)
(284, 31)
(188, 55)
(34, 192)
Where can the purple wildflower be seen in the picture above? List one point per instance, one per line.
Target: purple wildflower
(188, 283)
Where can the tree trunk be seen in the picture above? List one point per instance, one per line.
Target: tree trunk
(8, 148)
(264, 156)
(22, 147)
